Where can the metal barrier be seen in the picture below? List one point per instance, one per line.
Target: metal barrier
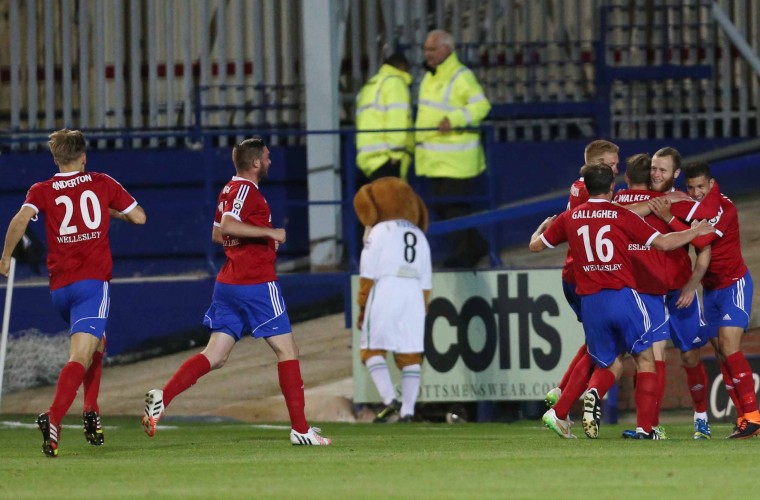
(554, 70)
(207, 141)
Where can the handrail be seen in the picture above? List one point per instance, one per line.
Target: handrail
(733, 34)
(201, 139)
(126, 134)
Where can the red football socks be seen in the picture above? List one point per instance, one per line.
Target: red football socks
(696, 379)
(186, 376)
(575, 386)
(601, 380)
(582, 352)
(91, 383)
(660, 371)
(69, 381)
(646, 400)
(744, 382)
(291, 386)
(728, 380)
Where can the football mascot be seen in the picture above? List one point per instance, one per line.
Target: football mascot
(394, 286)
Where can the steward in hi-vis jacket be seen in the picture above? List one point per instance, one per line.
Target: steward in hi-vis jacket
(384, 104)
(450, 92)
(450, 100)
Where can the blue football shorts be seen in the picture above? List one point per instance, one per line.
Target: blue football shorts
(729, 306)
(687, 324)
(572, 298)
(658, 316)
(256, 310)
(618, 321)
(84, 306)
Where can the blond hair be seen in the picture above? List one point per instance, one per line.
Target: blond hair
(67, 146)
(596, 149)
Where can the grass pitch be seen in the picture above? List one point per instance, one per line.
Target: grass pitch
(238, 460)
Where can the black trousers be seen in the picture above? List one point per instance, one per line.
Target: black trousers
(388, 169)
(468, 246)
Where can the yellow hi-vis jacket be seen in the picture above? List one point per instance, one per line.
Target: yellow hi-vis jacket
(453, 92)
(384, 104)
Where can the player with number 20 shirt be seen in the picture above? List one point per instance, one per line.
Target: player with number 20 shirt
(78, 206)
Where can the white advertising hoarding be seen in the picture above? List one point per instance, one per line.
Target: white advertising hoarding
(489, 335)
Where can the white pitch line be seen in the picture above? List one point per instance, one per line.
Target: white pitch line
(269, 426)
(24, 425)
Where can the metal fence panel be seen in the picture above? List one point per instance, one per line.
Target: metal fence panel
(117, 64)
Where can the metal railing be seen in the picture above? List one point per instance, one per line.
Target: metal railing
(207, 141)
(552, 67)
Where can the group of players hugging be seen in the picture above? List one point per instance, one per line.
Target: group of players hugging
(629, 278)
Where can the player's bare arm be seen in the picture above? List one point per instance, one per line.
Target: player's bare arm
(661, 207)
(216, 235)
(642, 208)
(115, 214)
(134, 216)
(676, 196)
(237, 229)
(700, 268)
(15, 232)
(536, 244)
(671, 241)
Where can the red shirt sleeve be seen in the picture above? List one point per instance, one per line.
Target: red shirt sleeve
(35, 197)
(698, 210)
(637, 228)
(578, 194)
(556, 233)
(219, 209)
(699, 242)
(120, 199)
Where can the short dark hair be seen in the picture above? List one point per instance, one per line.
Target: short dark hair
(598, 177)
(673, 153)
(245, 152)
(398, 60)
(697, 169)
(638, 167)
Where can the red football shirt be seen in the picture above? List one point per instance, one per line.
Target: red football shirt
(599, 233)
(76, 206)
(578, 195)
(650, 266)
(249, 260)
(726, 261)
(679, 267)
(698, 210)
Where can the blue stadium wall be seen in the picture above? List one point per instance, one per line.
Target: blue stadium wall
(524, 170)
(178, 189)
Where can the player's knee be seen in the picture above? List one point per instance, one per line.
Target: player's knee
(715, 343)
(728, 345)
(407, 359)
(294, 352)
(690, 359)
(215, 362)
(287, 353)
(365, 354)
(82, 360)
